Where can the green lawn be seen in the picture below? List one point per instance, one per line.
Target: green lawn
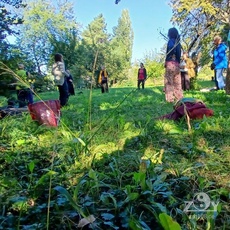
(112, 164)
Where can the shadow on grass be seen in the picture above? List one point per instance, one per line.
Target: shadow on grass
(132, 168)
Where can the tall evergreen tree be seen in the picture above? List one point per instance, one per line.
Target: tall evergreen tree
(121, 46)
(95, 40)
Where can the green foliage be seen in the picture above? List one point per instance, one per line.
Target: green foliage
(167, 222)
(199, 22)
(111, 163)
(15, 3)
(67, 42)
(8, 19)
(8, 55)
(38, 29)
(94, 48)
(84, 51)
(6, 79)
(123, 168)
(156, 70)
(121, 47)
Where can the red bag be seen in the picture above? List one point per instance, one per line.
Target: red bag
(45, 112)
(194, 108)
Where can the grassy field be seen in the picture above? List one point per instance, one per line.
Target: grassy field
(112, 164)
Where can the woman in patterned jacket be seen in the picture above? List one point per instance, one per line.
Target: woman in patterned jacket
(172, 79)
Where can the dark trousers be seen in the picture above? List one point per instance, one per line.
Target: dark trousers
(141, 83)
(24, 97)
(216, 82)
(104, 86)
(71, 88)
(185, 81)
(63, 93)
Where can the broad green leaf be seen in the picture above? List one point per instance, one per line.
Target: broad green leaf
(134, 225)
(127, 125)
(65, 193)
(107, 216)
(45, 177)
(114, 200)
(168, 223)
(132, 196)
(160, 206)
(175, 131)
(92, 174)
(31, 166)
(139, 176)
(140, 179)
(20, 142)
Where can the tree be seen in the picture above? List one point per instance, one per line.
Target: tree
(42, 20)
(121, 46)
(193, 21)
(95, 45)
(15, 3)
(9, 55)
(201, 20)
(8, 21)
(67, 42)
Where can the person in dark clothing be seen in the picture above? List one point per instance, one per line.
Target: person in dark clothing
(187, 71)
(103, 80)
(24, 93)
(172, 79)
(69, 80)
(215, 80)
(141, 76)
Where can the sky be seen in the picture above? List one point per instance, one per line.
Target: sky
(148, 18)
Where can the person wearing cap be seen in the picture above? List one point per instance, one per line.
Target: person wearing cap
(24, 93)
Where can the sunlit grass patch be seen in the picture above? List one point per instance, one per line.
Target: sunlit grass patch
(113, 159)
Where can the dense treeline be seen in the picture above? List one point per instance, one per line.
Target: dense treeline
(85, 49)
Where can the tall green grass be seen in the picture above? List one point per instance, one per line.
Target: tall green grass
(122, 169)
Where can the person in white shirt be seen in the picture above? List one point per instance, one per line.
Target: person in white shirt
(60, 74)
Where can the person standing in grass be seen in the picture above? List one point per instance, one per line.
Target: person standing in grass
(219, 61)
(141, 76)
(24, 93)
(69, 80)
(103, 80)
(172, 79)
(59, 73)
(187, 71)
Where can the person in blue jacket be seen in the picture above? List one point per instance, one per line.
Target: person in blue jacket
(220, 61)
